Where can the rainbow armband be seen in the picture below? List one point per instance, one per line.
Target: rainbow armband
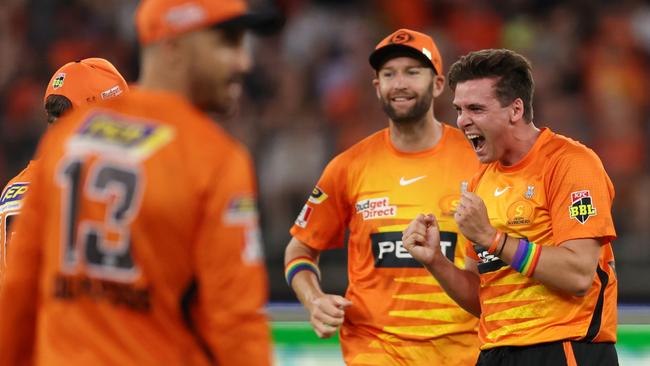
(299, 264)
(526, 257)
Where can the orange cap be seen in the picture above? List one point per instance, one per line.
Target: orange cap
(87, 81)
(407, 42)
(160, 19)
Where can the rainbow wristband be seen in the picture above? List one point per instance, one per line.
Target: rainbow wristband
(519, 254)
(300, 264)
(526, 257)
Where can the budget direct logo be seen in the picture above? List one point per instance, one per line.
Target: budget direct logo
(13, 193)
(376, 208)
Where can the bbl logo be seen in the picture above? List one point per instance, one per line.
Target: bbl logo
(581, 206)
(58, 81)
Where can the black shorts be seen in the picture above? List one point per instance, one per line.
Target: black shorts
(551, 354)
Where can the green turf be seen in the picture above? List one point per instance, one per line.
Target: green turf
(295, 334)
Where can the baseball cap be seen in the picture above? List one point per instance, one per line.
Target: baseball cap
(160, 19)
(86, 81)
(406, 42)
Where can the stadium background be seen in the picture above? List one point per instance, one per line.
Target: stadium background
(309, 97)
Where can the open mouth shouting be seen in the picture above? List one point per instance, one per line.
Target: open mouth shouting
(478, 141)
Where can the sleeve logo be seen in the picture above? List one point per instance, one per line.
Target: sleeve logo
(317, 196)
(14, 193)
(581, 207)
(241, 210)
(303, 217)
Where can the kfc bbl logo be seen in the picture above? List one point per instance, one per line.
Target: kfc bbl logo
(581, 206)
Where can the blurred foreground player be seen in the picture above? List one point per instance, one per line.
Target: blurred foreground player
(138, 242)
(75, 84)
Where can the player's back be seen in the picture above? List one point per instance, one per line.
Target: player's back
(146, 221)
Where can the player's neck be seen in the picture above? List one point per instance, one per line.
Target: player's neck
(521, 142)
(156, 76)
(414, 137)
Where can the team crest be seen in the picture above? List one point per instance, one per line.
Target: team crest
(58, 81)
(520, 213)
(582, 207)
(317, 196)
(448, 204)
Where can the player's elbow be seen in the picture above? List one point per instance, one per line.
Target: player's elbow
(582, 285)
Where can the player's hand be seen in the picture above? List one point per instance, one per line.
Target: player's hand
(422, 239)
(472, 219)
(326, 314)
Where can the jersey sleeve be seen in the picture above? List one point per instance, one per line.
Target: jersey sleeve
(580, 196)
(19, 289)
(322, 221)
(231, 277)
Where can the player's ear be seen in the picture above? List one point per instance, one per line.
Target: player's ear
(516, 110)
(438, 84)
(375, 83)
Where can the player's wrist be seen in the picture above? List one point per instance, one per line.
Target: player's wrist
(492, 235)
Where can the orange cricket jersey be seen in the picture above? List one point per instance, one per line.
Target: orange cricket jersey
(558, 192)
(13, 196)
(138, 231)
(375, 191)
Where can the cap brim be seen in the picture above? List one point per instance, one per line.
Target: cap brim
(379, 57)
(260, 22)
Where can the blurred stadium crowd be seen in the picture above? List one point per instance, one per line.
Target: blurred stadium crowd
(310, 94)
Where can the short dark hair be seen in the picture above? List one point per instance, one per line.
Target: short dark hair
(513, 71)
(55, 106)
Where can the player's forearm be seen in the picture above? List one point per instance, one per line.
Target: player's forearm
(563, 267)
(305, 284)
(460, 284)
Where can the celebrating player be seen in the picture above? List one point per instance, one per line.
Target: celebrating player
(541, 273)
(393, 313)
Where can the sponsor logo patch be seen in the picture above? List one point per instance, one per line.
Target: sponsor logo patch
(112, 133)
(520, 213)
(14, 193)
(317, 196)
(582, 207)
(303, 217)
(375, 208)
(389, 252)
(112, 92)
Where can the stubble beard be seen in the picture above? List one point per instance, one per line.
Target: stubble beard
(414, 114)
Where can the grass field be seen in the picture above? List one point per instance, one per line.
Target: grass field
(297, 345)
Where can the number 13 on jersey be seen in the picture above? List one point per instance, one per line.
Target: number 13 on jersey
(101, 245)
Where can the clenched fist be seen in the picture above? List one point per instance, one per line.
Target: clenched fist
(472, 219)
(422, 239)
